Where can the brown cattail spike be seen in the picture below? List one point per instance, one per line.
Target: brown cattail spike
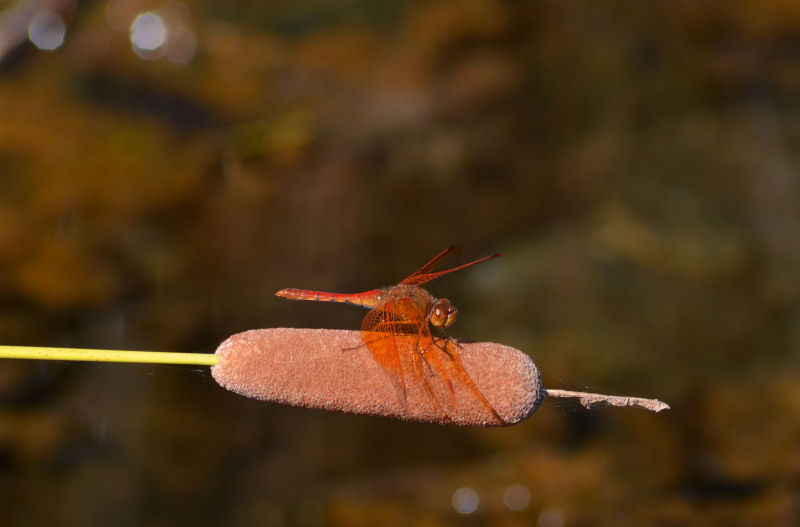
(334, 370)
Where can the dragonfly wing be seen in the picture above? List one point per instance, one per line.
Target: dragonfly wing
(427, 273)
(463, 377)
(399, 339)
(422, 353)
(379, 335)
(396, 342)
(430, 266)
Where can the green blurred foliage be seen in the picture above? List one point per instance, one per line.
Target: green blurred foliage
(637, 162)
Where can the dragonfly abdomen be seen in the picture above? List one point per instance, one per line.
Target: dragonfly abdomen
(367, 299)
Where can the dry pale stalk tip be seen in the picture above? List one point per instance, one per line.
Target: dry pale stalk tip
(589, 400)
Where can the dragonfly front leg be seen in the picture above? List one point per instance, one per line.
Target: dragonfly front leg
(448, 340)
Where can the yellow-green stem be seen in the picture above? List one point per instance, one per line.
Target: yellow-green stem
(145, 357)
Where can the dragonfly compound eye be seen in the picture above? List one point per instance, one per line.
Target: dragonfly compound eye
(443, 313)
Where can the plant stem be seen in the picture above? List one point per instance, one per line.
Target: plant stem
(96, 355)
(589, 400)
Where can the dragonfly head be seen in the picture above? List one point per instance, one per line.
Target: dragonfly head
(442, 313)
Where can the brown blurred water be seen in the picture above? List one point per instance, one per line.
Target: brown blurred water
(637, 163)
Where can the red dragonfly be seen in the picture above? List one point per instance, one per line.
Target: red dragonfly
(397, 329)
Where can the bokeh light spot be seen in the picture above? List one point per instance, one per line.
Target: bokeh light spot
(517, 497)
(148, 34)
(182, 46)
(465, 500)
(551, 517)
(47, 30)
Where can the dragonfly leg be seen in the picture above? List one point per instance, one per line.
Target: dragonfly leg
(422, 353)
(448, 340)
(352, 348)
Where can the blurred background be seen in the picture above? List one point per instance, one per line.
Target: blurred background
(165, 167)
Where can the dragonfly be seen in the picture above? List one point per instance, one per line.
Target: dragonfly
(397, 331)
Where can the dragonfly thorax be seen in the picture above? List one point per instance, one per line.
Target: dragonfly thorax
(413, 302)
